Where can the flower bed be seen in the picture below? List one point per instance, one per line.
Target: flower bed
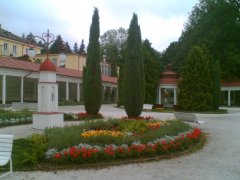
(81, 116)
(88, 153)
(10, 118)
(119, 139)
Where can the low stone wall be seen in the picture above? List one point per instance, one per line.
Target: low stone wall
(24, 105)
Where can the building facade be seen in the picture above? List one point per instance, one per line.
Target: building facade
(13, 45)
(19, 79)
(168, 90)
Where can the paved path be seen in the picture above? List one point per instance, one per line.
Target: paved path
(219, 160)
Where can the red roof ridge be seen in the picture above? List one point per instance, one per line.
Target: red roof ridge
(47, 65)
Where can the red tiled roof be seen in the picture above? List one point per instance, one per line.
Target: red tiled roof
(168, 81)
(6, 62)
(230, 83)
(47, 65)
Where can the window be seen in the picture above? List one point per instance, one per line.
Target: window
(14, 50)
(54, 61)
(5, 47)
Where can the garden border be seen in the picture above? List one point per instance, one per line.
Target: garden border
(196, 147)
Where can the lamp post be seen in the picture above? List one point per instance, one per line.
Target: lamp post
(47, 38)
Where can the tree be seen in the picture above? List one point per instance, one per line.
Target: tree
(152, 69)
(214, 24)
(82, 48)
(92, 87)
(58, 46)
(31, 39)
(113, 44)
(67, 48)
(133, 80)
(216, 77)
(195, 88)
(75, 48)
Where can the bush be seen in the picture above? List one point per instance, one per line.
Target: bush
(38, 145)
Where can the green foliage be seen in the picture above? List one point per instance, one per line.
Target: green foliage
(75, 48)
(59, 139)
(216, 91)
(152, 69)
(38, 144)
(58, 46)
(215, 25)
(67, 48)
(133, 77)
(92, 87)
(195, 88)
(82, 48)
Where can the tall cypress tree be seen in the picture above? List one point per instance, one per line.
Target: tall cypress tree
(92, 87)
(216, 77)
(195, 88)
(133, 77)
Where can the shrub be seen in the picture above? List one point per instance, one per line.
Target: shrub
(38, 145)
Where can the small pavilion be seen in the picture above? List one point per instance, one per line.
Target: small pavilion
(168, 88)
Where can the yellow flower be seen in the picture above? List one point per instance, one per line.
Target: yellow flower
(101, 133)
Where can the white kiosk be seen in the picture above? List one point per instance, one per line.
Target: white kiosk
(47, 115)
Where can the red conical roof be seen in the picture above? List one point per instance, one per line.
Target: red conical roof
(169, 77)
(47, 65)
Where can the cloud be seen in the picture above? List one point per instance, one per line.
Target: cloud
(161, 21)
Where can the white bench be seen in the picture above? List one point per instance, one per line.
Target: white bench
(189, 117)
(6, 142)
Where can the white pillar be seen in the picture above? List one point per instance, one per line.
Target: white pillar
(78, 92)
(159, 96)
(22, 88)
(175, 96)
(4, 89)
(67, 91)
(229, 97)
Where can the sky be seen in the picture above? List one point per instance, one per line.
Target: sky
(161, 21)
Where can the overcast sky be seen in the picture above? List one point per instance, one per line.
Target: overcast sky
(161, 21)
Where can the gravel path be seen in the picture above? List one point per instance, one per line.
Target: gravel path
(218, 160)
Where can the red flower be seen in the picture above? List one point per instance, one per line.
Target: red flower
(57, 156)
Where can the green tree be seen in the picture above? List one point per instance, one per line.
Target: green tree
(31, 39)
(195, 88)
(67, 48)
(57, 46)
(92, 87)
(82, 48)
(75, 48)
(133, 81)
(113, 45)
(216, 77)
(214, 24)
(152, 69)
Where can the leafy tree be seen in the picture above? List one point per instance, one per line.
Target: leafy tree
(113, 44)
(152, 69)
(214, 24)
(169, 56)
(195, 88)
(75, 48)
(133, 81)
(82, 48)
(57, 46)
(92, 87)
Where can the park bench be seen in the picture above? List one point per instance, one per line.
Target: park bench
(189, 117)
(6, 142)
